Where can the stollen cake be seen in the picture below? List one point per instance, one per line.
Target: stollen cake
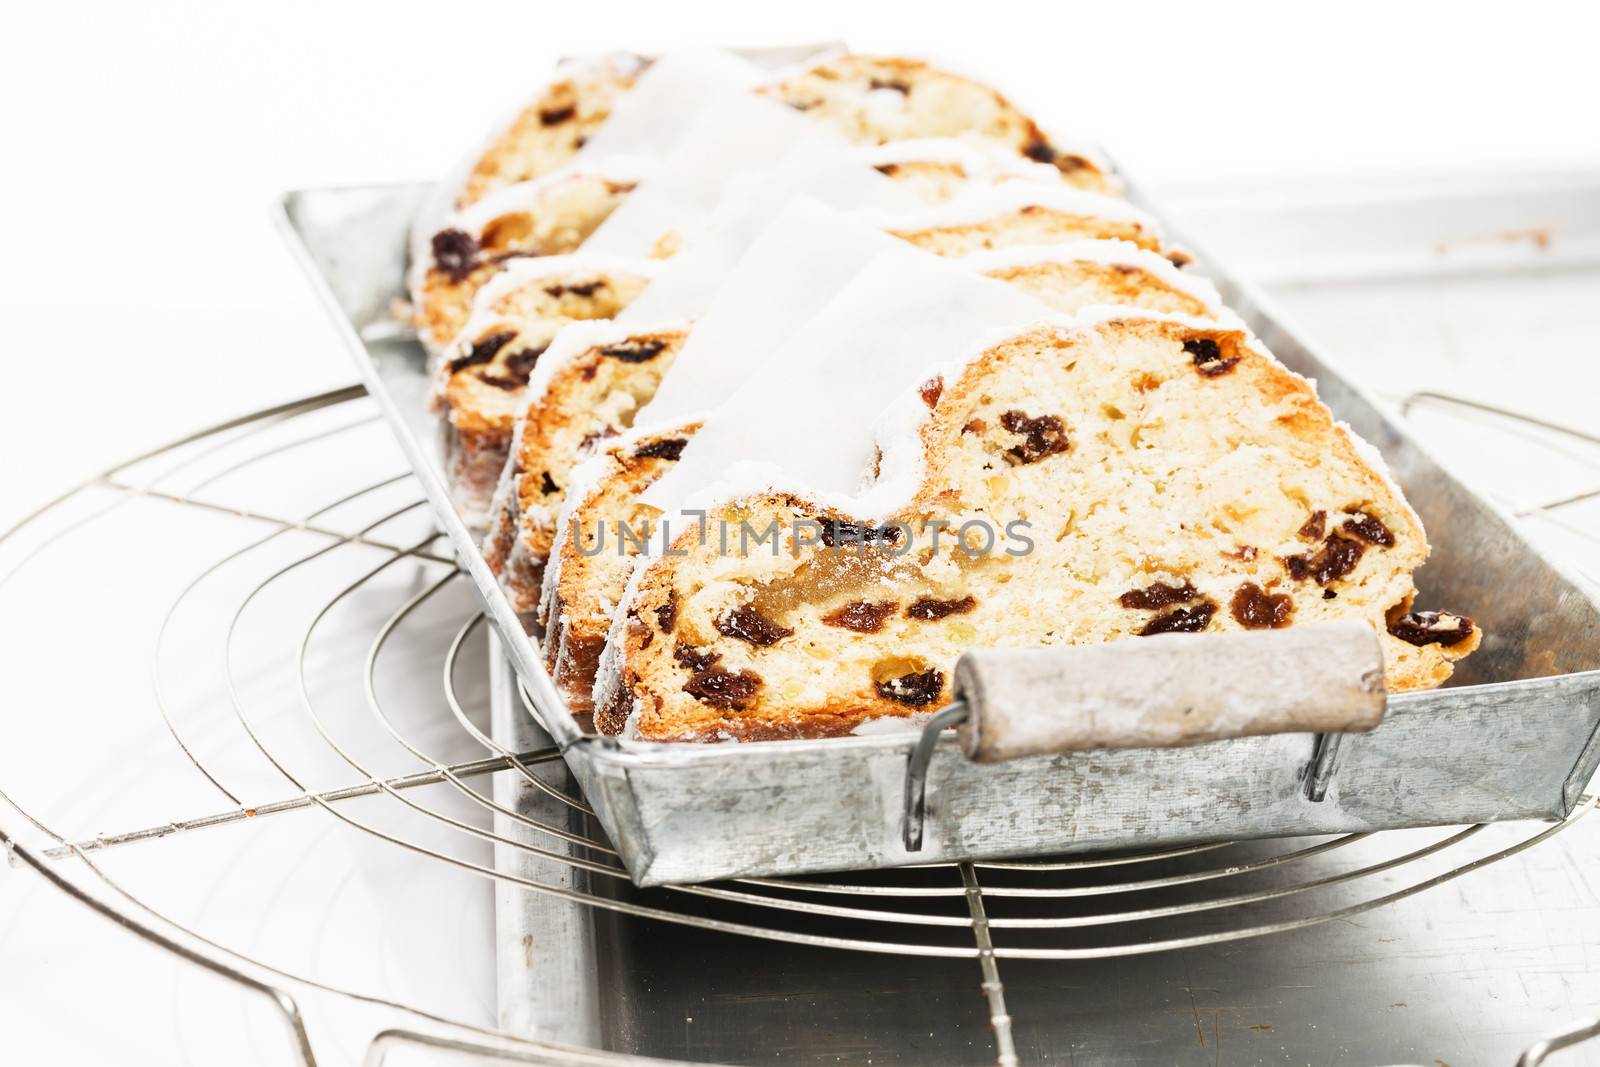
(873, 99)
(596, 377)
(551, 215)
(1114, 475)
(549, 131)
(602, 524)
(575, 410)
(482, 376)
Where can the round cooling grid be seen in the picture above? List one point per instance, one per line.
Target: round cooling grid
(248, 656)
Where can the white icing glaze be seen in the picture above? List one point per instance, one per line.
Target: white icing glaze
(978, 160)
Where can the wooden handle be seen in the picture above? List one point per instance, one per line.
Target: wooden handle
(1170, 690)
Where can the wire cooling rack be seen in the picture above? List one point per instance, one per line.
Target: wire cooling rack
(293, 652)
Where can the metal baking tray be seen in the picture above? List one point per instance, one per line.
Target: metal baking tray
(1516, 734)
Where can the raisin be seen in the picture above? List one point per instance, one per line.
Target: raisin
(1329, 594)
(694, 660)
(888, 170)
(639, 352)
(482, 351)
(1208, 358)
(1338, 558)
(1188, 620)
(667, 614)
(1043, 436)
(748, 624)
(836, 532)
(1158, 596)
(723, 689)
(510, 385)
(893, 84)
(455, 253)
(1040, 151)
(581, 289)
(547, 484)
(928, 607)
(601, 434)
(666, 448)
(975, 426)
(555, 116)
(1368, 528)
(519, 368)
(1431, 628)
(931, 390)
(1256, 609)
(1315, 526)
(862, 616)
(918, 690)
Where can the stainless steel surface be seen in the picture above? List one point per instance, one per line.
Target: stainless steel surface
(1514, 737)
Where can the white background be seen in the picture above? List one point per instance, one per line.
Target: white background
(145, 291)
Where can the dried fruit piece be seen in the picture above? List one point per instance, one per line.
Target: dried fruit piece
(1040, 151)
(667, 614)
(547, 484)
(1431, 628)
(724, 689)
(917, 690)
(1043, 436)
(694, 659)
(1338, 558)
(666, 448)
(456, 253)
(1314, 527)
(555, 116)
(1208, 357)
(862, 616)
(482, 351)
(1256, 609)
(1158, 595)
(580, 289)
(1368, 528)
(928, 607)
(748, 624)
(836, 532)
(931, 390)
(635, 352)
(1189, 620)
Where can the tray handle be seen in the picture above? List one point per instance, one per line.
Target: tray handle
(1158, 692)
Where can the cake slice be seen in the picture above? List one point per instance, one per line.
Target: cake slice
(484, 373)
(873, 99)
(602, 524)
(1112, 476)
(547, 133)
(987, 217)
(547, 216)
(595, 378)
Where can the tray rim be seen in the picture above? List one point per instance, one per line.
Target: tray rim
(539, 688)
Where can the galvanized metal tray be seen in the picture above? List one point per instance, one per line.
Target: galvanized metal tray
(1515, 736)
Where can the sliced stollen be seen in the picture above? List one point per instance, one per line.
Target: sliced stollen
(603, 524)
(551, 215)
(874, 99)
(747, 284)
(1111, 475)
(548, 133)
(990, 217)
(484, 373)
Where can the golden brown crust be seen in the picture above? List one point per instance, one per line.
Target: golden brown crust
(727, 647)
